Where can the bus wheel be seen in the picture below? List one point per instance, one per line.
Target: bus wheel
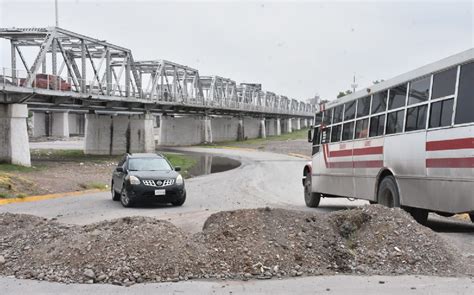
(311, 199)
(420, 215)
(388, 192)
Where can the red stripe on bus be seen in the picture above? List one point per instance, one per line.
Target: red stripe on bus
(356, 164)
(450, 163)
(368, 164)
(451, 144)
(375, 150)
(340, 153)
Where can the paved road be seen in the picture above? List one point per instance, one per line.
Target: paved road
(263, 179)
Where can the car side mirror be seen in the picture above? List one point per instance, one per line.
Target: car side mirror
(310, 135)
(177, 168)
(119, 169)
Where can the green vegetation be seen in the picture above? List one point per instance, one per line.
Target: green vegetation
(69, 155)
(300, 134)
(16, 168)
(183, 161)
(12, 186)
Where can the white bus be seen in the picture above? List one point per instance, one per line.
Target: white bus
(406, 142)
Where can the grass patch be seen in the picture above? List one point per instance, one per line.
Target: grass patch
(94, 185)
(17, 168)
(70, 155)
(183, 161)
(300, 134)
(14, 186)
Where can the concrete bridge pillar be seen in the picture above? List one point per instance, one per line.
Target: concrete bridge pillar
(311, 122)
(287, 127)
(304, 123)
(262, 131)
(297, 124)
(240, 130)
(14, 145)
(277, 127)
(116, 135)
(207, 130)
(60, 124)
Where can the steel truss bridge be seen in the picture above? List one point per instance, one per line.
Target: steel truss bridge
(76, 72)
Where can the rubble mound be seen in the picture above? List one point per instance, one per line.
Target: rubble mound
(242, 244)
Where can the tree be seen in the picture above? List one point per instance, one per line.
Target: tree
(343, 93)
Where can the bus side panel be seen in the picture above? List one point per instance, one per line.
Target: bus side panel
(404, 155)
(450, 170)
(368, 159)
(333, 174)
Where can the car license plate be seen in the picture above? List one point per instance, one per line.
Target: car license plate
(160, 192)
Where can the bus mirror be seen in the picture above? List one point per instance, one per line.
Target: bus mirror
(310, 135)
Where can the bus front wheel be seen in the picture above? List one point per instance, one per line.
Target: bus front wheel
(311, 199)
(388, 192)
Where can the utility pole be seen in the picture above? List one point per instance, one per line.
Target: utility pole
(56, 12)
(354, 85)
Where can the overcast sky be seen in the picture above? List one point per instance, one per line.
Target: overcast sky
(293, 48)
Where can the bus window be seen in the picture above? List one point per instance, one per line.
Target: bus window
(363, 106)
(337, 118)
(318, 118)
(416, 118)
(379, 102)
(349, 112)
(397, 97)
(325, 132)
(377, 125)
(465, 103)
(348, 131)
(441, 113)
(419, 90)
(444, 83)
(395, 122)
(362, 128)
(327, 119)
(336, 133)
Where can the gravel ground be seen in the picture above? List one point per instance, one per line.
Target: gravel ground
(243, 244)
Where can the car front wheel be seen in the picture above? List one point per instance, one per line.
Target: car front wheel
(125, 199)
(180, 201)
(115, 195)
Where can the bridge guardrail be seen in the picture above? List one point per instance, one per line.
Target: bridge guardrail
(17, 78)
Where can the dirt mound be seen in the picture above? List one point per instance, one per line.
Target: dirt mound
(242, 244)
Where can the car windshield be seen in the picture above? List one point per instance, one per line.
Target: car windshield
(148, 164)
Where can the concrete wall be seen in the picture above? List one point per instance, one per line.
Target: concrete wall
(14, 145)
(186, 130)
(60, 124)
(115, 135)
(251, 127)
(224, 128)
(76, 124)
(39, 124)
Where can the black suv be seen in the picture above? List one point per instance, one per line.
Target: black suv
(147, 176)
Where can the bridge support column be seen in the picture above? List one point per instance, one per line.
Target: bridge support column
(240, 130)
(277, 127)
(207, 130)
(297, 124)
(262, 131)
(14, 145)
(287, 127)
(60, 124)
(304, 123)
(116, 135)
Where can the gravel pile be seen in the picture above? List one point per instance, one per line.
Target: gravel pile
(243, 244)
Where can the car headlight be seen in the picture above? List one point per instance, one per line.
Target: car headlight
(179, 180)
(134, 180)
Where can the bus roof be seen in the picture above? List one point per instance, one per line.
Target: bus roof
(437, 66)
